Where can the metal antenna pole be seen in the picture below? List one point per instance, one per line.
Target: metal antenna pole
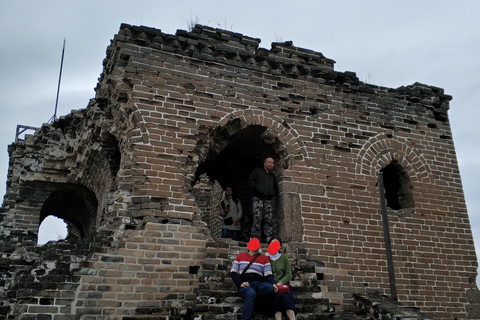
(59, 80)
(386, 234)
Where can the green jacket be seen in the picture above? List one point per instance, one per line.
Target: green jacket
(282, 269)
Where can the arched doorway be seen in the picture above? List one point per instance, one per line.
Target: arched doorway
(229, 161)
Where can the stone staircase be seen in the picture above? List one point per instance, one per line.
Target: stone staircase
(217, 294)
(217, 297)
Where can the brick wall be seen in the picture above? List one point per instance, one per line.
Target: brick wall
(169, 106)
(154, 268)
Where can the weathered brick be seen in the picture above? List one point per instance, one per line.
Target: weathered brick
(168, 107)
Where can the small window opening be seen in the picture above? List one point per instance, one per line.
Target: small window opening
(397, 187)
(52, 229)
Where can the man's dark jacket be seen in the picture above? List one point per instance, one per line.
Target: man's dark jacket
(263, 183)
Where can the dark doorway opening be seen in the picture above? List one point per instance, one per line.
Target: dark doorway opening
(234, 154)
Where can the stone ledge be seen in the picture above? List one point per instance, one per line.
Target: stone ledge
(382, 307)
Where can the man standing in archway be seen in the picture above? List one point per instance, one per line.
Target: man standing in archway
(263, 183)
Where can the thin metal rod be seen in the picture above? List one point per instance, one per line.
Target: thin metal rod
(386, 234)
(21, 129)
(59, 80)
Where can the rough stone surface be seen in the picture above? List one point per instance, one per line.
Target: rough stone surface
(137, 176)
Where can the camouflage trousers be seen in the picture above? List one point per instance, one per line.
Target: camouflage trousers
(262, 217)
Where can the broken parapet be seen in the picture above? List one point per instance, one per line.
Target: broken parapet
(377, 306)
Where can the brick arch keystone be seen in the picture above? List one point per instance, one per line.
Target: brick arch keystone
(380, 150)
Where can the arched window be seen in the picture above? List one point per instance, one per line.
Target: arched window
(76, 206)
(397, 186)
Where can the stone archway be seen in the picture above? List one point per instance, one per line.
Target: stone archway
(379, 151)
(76, 205)
(233, 154)
(405, 169)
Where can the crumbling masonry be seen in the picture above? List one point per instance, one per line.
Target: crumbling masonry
(138, 175)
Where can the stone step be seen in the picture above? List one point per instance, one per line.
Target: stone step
(147, 317)
(217, 294)
(235, 314)
(349, 315)
(218, 297)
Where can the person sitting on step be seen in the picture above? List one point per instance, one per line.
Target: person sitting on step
(252, 274)
(282, 272)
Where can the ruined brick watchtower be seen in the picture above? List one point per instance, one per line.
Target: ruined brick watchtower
(138, 174)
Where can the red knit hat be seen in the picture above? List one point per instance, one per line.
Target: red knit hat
(253, 244)
(273, 247)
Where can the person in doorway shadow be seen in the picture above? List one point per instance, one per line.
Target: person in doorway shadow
(231, 212)
(263, 183)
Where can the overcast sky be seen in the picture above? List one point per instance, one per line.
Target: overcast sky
(387, 43)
